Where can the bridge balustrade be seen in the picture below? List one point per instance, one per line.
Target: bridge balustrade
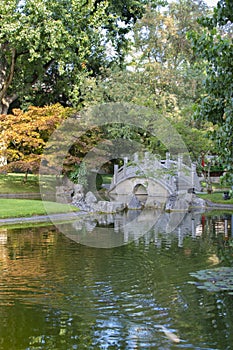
(174, 175)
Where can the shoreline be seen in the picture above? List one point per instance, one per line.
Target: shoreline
(41, 218)
(218, 205)
(74, 215)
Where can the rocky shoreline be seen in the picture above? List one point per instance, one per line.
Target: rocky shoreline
(75, 215)
(218, 205)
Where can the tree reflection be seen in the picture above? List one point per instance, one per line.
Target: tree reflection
(58, 294)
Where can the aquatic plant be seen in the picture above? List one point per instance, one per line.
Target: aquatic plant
(214, 280)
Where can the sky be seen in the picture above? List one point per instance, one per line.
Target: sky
(211, 2)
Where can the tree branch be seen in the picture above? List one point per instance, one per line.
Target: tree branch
(10, 75)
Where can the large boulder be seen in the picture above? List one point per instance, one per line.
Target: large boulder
(183, 202)
(64, 194)
(78, 193)
(109, 207)
(198, 202)
(170, 204)
(90, 198)
(180, 202)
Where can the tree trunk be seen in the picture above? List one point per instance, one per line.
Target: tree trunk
(6, 77)
(6, 102)
(4, 107)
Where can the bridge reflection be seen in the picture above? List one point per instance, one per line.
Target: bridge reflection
(108, 230)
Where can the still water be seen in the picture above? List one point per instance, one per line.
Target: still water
(58, 293)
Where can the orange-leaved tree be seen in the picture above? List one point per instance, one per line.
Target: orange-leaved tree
(24, 136)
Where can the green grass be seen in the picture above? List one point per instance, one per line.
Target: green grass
(13, 208)
(216, 197)
(107, 178)
(14, 183)
(217, 186)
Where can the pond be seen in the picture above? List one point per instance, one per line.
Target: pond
(59, 291)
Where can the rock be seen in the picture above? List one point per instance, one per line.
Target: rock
(171, 202)
(134, 203)
(180, 202)
(66, 182)
(82, 205)
(184, 202)
(78, 192)
(198, 202)
(64, 194)
(69, 192)
(109, 207)
(90, 198)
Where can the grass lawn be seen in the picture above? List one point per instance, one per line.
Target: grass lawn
(14, 183)
(107, 178)
(12, 208)
(216, 197)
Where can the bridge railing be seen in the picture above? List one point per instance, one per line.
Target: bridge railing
(174, 174)
(126, 172)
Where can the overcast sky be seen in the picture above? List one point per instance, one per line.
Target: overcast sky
(211, 2)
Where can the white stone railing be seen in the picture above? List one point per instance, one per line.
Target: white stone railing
(170, 173)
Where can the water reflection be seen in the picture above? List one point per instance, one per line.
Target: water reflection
(57, 294)
(106, 231)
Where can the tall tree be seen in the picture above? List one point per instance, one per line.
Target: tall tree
(161, 57)
(48, 46)
(161, 38)
(215, 46)
(162, 74)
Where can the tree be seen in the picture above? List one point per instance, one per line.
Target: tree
(47, 47)
(215, 46)
(24, 135)
(161, 75)
(161, 38)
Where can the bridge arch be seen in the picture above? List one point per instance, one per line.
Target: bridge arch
(157, 179)
(140, 189)
(154, 189)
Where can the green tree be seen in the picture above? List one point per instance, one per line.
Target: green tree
(47, 47)
(161, 38)
(162, 74)
(215, 46)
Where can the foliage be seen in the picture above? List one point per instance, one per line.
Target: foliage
(161, 75)
(48, 63)
(160, 72)
(161, 35)
(216, 197)
(24, 135)
(48, 47)
(214, 46)
(79, 175)
(162, 46)
(195, 139)
(86, 142)
(82, 176)
(74, 174)
(219, 279)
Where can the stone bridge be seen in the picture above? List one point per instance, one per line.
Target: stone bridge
(154, 179)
